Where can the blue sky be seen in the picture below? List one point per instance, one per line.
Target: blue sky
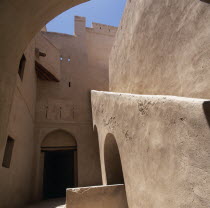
(101, 11)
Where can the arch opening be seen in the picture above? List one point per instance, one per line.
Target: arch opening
(59, 151)
(113, 166)
(97, 161)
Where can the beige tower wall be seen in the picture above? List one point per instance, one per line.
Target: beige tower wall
(162, 48)
(16, 181)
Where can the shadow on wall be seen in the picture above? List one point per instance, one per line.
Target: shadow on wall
(206, 109)
(97, 156)
(113, 166)
(206, 1)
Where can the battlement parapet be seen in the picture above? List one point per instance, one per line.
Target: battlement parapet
(102, 28)
(78, 18)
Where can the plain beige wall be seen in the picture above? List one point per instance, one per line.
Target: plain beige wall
(162, 48)
(16, 181)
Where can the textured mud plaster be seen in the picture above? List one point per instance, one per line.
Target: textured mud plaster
(164, 145)
(97, 197)
(162, 48)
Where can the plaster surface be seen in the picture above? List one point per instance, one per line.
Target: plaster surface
(52, 203)
(51, 60)
(20, 21)
(164, 147)
(59, 138)
(98, 196)
(17, 178)
(162, 48)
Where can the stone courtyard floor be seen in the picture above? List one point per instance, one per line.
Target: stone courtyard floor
(51, 203)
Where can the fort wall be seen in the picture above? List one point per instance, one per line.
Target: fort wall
(66, 104)
(162, 48)
(16, 181)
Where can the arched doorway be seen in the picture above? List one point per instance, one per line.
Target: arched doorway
(60, 163)
(113, 166)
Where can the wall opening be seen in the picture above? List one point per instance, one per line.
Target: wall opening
(58, 172)
(22, 66)
(8, 152)
(113, 166)
(97, 162)
(59, 149)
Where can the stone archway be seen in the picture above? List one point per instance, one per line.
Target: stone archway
(59, 162)
(58, 139)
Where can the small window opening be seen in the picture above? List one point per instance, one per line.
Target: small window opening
(100, 27)
(60, 112)
(69, 84)
(46, 114)
(22, 66)
(8, 152)
(69, 59)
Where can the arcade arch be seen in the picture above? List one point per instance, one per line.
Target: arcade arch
(113, 166)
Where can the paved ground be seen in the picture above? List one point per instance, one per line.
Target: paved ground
(52, 203)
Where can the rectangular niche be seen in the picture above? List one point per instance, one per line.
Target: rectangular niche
(22, 66)
(8, 152)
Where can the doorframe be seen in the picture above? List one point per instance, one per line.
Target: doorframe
(45, 149)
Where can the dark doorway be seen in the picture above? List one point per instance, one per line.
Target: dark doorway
(59, 172)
